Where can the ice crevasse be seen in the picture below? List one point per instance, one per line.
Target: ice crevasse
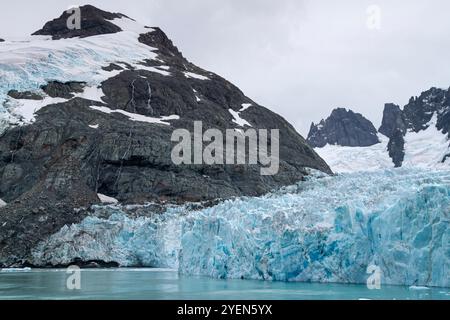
(326, 229)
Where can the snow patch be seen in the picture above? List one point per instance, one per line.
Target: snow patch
(352, 159)
(238, 120)
(138, 117)
(195, 76)
(129, 25)
(22, 111)
(93, 93)
(152, 69)
(426, 148)
(245, 106)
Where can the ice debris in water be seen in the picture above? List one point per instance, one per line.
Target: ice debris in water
(327, 229)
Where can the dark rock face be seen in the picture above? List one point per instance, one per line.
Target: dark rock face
(396, 148)
(344, 128)
(53, 168)
(24, 95)
(93, 22)
(419, 111)
(1, 40)
(415, 116)
(56, 89)
(393, 121)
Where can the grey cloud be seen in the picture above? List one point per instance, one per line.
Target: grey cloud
(298, 58)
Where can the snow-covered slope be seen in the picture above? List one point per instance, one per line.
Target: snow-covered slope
(424, 149)
(327, 229)
(27, 64)
(427, 148)
(351, 159)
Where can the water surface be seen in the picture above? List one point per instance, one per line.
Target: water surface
(157, 284)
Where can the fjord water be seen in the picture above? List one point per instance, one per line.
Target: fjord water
(160, 284)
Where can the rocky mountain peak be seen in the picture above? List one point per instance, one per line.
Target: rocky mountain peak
(94, 21)
(345, 128)
(393, 120)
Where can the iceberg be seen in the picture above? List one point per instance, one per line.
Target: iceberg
(326, 229)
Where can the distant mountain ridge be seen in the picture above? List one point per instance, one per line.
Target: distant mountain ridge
(345, 128)
(415, 135)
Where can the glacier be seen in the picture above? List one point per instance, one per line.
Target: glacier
(28, 63)
(424, 149)
(326, 229)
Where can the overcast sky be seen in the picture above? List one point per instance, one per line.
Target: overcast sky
(298, 58)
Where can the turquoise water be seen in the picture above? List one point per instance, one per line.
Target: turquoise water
(153, 284)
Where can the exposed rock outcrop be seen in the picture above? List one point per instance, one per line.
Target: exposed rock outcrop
(415, 117)
(396, 147)
(393, 120)
(345, 128)
(56, 89)
(93, 22)
(27, 95)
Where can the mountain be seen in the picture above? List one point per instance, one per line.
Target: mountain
(345, 128)
(87, 116)
(93, 22)
(416, 135)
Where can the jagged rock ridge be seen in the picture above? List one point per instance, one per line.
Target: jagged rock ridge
(344, 128)
(416, 116)
(93, 22)
(422, 127)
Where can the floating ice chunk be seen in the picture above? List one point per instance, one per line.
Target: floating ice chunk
(138, 117)
(2, 203)
(418, 288)
(94, 126)
(11, 270)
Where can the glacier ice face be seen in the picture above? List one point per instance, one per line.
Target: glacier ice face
(330, 230)
(141, 241)
(327, 229)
